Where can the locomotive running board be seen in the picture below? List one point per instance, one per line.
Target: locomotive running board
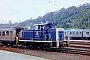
(34, 41)
(27, 40)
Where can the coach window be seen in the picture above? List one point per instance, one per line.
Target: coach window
(87, 33)
(77, 33)
(3, 33)
(7, 33)
(11, 33)
(70, 33)
(73, 33)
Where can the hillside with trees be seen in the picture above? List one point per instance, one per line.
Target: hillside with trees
(70, 18)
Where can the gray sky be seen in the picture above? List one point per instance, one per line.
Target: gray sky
(21, 10)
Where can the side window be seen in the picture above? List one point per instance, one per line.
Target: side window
(77, 33)
(36, 28)
(11, 33)
(80, 32)
(39, 27)
(7, 33)
(87, 33)
(73, 33)
(70, 33)
(3, 33)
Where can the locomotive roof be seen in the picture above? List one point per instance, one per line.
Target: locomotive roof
(39, 24)
(43, 24)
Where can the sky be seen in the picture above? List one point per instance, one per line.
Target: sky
(21, 10)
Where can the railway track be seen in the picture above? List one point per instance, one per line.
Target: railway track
(80, 44)
(76, 47)
(81, 47)
(71, 50)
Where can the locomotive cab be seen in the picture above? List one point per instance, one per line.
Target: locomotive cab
(41, 31)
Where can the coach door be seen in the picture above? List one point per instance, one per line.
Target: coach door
(18, 30)
(61, 35)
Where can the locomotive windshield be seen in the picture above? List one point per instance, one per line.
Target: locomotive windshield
(39, 27)
(43, 26)
(49, 25)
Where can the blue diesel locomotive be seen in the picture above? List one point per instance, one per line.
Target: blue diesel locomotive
(43, 35)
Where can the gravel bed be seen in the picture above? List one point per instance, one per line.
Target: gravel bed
(47, 54)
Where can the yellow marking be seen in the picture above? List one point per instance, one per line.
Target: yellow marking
(24, 51)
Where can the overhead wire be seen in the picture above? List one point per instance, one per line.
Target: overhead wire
(52, 2)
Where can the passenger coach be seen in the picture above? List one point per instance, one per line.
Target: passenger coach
(8, 34)
(78, 34)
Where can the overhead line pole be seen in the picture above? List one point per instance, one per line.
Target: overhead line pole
(55, 5)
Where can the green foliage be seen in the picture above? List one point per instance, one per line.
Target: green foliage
(70, 18)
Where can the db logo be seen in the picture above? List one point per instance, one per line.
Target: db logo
(37, 33)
